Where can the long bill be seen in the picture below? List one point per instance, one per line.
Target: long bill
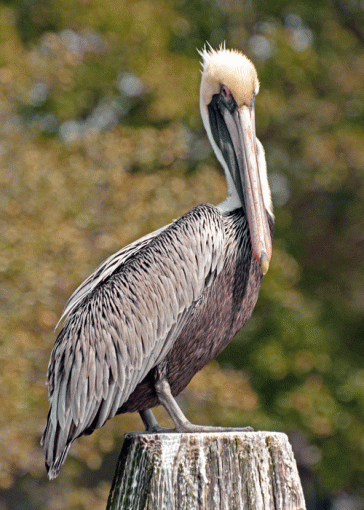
(241, 127)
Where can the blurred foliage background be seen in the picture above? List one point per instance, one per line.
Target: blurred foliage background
(101, 141)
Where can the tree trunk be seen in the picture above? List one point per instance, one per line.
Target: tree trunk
(206, 471)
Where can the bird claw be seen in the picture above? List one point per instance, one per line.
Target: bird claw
(191, 427)
(158, 429)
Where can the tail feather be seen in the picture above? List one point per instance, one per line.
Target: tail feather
(56, 443)
(54, 468)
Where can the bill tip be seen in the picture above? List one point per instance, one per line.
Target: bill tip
(264, 262)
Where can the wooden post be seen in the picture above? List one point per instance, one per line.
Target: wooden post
(206, 471)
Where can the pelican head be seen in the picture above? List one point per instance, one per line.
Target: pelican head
(229, 86)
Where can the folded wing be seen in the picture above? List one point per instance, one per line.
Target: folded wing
(123, 321)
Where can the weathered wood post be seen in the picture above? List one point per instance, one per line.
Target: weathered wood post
(206, 471)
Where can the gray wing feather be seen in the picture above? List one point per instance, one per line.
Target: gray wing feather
(108, 267)
(123, 321)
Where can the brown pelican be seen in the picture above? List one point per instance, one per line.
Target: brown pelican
(153, 314)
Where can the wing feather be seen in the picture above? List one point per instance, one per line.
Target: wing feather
(107, 268)
(123, 320)
(91, 374)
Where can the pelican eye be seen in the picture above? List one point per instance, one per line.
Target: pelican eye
(225, 99)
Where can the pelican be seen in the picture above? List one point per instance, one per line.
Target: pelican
(153, 314)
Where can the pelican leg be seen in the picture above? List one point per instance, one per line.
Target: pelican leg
(150, 423)
(167, 400)
(165, 397)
